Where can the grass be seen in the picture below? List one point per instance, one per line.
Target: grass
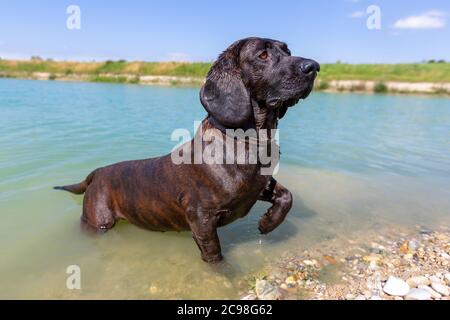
(197, 69)
(418, 72)
(130, 72)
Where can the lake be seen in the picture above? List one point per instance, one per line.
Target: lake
(353, 163)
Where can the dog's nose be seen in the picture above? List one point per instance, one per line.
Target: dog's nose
(307, 66)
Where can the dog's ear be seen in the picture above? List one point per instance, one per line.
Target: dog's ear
(224, 95)
(282, 112)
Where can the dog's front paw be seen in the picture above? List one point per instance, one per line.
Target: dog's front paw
(212, 259)
(265, 225)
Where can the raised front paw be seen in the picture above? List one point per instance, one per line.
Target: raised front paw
(266, 224)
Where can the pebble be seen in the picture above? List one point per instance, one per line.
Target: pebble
(397, 268)
(447, 278)
(291, 281)
(266, 291)
(396, 287)
(330, 259)
(435, 279)
(310, 262)
(371, 259)
(425, 231)
(153, 289)
(440, 288)
(250, 296)
(418, 294)
(433, 293)
(404, 247)
(408, 256)
(414, 282)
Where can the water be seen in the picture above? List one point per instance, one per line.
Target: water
(353, 162)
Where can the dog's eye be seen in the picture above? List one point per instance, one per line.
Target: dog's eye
(264, 55)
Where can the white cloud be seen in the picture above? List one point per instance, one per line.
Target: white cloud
(434, 19)
(357, 14)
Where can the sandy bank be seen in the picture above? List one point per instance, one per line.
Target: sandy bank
(326, 86)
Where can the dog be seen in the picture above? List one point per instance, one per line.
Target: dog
(250, 86)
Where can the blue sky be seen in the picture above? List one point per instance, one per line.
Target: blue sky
(326, 30)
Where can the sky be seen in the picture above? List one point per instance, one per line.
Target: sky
(198, 30)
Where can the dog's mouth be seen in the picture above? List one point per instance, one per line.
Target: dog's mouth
(292, 93)
(302, 95)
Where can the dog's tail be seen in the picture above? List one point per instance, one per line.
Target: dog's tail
(78, 188)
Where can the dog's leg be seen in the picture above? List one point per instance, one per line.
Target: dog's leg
(281, 198)
(97, 216)
(204, 230)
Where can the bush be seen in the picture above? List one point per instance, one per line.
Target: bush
(323, 85)
(135, 80)
(380, 87)
(52, 77)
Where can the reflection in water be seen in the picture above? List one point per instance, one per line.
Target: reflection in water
(353, 163)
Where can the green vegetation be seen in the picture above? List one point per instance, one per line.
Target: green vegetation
(322, 85)
(435, 71)
(380, 87)
(37, 64)
(418, 72)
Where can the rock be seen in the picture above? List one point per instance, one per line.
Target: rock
(440, 288)
(371, 258)
(413, 245)
(433, 293)
(349, 296)
(377, 246)
(310, 262)
(396, 287)
(291, 280)
(418, 294)
(376, 298)
(360, 297)
(425, 231)
(153, 289)
(447, 278)
(266, 291)
(414, 282)
(435, 279)
(404, 247)
(250, 296)
(408, 256)
(329, 259)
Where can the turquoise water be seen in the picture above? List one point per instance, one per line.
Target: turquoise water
(353, 162)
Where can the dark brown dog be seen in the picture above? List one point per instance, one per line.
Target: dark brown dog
(250, 86)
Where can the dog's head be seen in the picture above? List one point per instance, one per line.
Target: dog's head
(256, 70)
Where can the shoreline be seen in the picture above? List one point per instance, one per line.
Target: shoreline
(333, 86)
(388, 264)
